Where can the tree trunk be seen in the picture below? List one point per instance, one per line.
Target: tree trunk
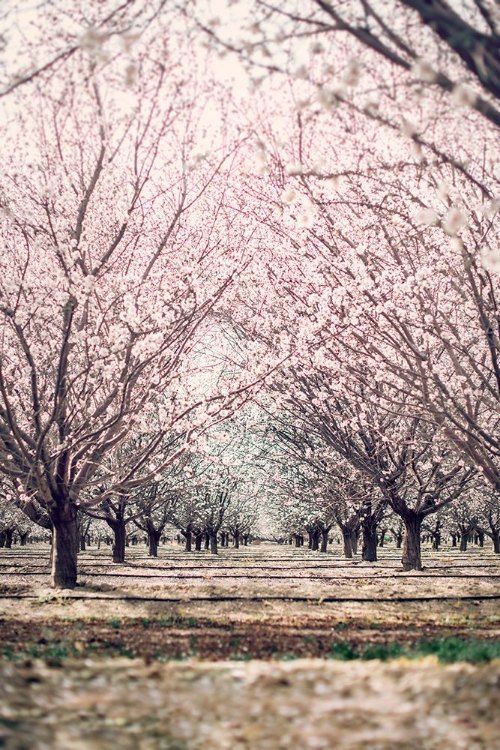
(324, 540)
(198, 541)
(23, 538)
(236, 539)
(120, 535)
(213, 543)
(9, 533)
(82, 543)
(381, 540)
(412, 555)
(207, 540)
(495, 535)
(464, 538)
(153, 538)
(347, 537)
(315, 540)
(189, 540)
(64, 546)
(354, 540)
(369, 548)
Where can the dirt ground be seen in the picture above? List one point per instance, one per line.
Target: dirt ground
(235, 650)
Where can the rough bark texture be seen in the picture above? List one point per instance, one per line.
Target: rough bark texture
(412, 556)
(64, 546)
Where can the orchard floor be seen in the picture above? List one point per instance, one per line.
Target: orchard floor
(265, 647)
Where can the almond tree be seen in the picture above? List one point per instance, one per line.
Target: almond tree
(118, 248)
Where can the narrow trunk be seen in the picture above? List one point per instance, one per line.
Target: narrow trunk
(412, 556)
(213, 544)
(315, 540)
(82, 543)
(23, 538)
(9, 533)
(153, 539)
(64, 546)
(369, 548)
(464, 538)
(207, 540)
(297, 540)
(198, 540)
(381, 540)
(324, 540)
(354, 540)
(189, 540)
(495, 535)
(236, 539)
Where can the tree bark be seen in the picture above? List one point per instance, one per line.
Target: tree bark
(496, 542)
(236, 537)
(120, 535)
(213, 543)
(153, 539)
(369, 548)
(9, 533)
(464, 538)
(198, 541)
(315, 540)
(324, 540)
(64, 546)
(412, 555)
(347, 538)
(189, 540)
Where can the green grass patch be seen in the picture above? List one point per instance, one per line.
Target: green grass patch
(447, 650)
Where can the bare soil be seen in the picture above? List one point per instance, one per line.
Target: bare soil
(87, 669)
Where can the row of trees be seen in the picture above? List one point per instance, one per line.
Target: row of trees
(176, 244)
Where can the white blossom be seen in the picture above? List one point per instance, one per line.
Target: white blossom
(455, 221)
(423, 71)
(463, 95)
